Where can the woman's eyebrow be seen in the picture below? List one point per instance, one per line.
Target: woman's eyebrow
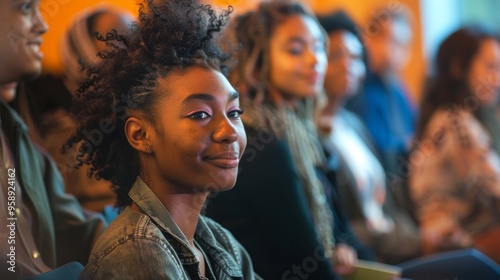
(295, 39)
(208, 97)
(233, 95)
(198, 96)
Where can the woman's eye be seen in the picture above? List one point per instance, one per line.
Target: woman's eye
(492, 66)
(199, 115)
(26, 7)
(235, 114)
(295, 51)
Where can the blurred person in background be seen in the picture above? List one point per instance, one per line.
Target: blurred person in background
(79, 49)
(384, 104)
(455, 172)
(355, 170)
(46, 227)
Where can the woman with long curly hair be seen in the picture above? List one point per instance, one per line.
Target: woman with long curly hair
(161, 122)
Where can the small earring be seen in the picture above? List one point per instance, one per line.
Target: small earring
(148, 150)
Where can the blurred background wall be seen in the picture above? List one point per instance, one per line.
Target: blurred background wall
(433, 20)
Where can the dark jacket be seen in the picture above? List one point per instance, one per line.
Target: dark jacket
(268, 213)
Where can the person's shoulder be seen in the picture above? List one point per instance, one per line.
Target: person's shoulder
(471, 131)
(451, 119)
(133, 246)
(128, 226)
(460, 124)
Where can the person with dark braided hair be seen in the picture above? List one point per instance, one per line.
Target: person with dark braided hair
(161, 122)
(283, 209)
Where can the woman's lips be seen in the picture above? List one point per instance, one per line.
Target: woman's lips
(225, 163)
(312, 78)
(34, 47)
(227, 160)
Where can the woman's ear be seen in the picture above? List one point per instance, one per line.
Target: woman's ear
(138, 134)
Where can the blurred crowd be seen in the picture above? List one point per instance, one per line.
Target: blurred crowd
(335, 160)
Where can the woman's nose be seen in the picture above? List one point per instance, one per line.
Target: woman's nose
(40, 26)
(226, 131)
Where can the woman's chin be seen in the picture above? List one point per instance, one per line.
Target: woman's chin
(226, 188)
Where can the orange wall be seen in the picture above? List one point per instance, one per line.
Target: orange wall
(58, 14)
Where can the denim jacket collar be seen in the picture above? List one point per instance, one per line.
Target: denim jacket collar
(144, 197)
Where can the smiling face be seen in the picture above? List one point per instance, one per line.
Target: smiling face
(297, 57)
(346, 68)
(484, 73)
(198, 137)
(21, 27)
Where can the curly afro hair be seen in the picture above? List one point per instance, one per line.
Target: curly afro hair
(169, 35)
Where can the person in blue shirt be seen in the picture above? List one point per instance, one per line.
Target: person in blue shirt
(384, 104)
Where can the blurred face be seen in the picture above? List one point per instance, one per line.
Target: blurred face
(21, 27)
(346, 68)
(484, 75)
(199, 136)
(390, 49)
(297, 58)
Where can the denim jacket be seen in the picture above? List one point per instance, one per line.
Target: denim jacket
(149, 245)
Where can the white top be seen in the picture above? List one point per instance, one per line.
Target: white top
(367, 171)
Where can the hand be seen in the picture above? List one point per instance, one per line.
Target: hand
(344, 259)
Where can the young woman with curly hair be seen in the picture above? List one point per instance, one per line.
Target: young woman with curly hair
(162, 123)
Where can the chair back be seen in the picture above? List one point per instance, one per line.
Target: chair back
(466, 264)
